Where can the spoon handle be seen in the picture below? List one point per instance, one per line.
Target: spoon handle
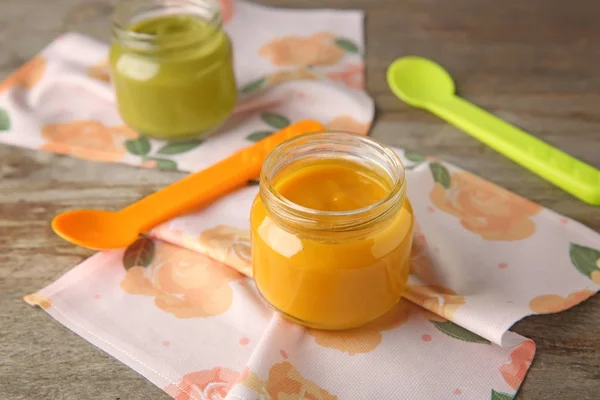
(572, 175)
(202, 188)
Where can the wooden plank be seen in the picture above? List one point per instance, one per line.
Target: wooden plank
(535, 63)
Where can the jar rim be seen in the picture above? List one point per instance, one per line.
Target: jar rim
(132, 9)
(344, 220)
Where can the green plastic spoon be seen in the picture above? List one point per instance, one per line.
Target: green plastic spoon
(423, 83)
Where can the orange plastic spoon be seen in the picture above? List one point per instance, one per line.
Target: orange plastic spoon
(102, 230)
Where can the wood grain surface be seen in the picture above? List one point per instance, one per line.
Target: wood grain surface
(534, 62)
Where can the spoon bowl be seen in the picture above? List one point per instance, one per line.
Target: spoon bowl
(104, 229)
(419, 81)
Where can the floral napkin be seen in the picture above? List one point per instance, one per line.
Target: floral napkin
(290, 65)
(179, 305)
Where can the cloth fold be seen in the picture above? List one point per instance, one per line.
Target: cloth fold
(484, 285)
(179, 305)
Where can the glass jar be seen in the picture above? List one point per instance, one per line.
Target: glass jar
(172, 67)
(334, 266)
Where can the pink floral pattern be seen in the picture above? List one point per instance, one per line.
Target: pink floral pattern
(227, 9)
(483, 208)
(213, 384)
(351, 75)
(183, 283)
(514, 370)
(318, 49)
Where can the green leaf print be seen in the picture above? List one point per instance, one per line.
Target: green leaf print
(254, 85)
(276, 121)
(179, 147)
(164, 163)
(4, 120)
(585, 259)
(458, 332)
(347, 45)
(139, 254)
(139, 146)
(256, 136)
(501, 396)
(440, 174)
(414, 157)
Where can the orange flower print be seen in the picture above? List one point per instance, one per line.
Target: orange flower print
(515, 369)
(87, 139)
(285, 382)
(346, 123)
(32, 72)
(552, 303)
(124, 131)
(421, 264)
(27, 76)
(316, 50)
(367, 338)
(100, 71)
(227, 9)
(595, 275)
(297, 74)
(351, 76)
(182, 282)
(37, 299)
(436, 298)
(483, 208)
(213, 384)
(228, 245)
(148, 164)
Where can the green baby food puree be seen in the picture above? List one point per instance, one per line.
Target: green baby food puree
(173, 76)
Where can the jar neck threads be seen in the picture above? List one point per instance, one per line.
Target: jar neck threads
(179, 34)
(316, 148)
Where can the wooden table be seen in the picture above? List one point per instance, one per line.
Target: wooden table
(534, 62)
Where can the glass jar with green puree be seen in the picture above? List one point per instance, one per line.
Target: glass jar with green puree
(172, 67)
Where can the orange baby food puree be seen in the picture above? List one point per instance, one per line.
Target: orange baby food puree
(321, 275)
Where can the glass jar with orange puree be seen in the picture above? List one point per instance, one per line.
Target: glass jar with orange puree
(332, 230)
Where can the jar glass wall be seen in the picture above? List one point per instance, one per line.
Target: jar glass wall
(332, 230)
